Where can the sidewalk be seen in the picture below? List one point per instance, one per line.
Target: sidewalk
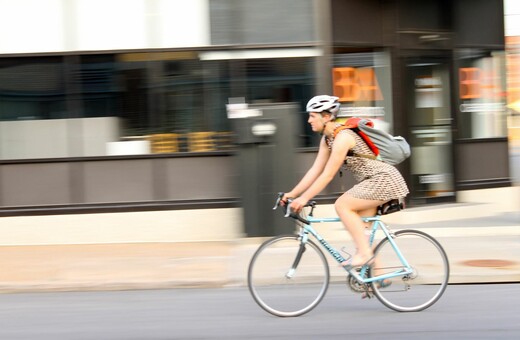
(482, 241)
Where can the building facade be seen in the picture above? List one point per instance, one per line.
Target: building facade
(122, 104)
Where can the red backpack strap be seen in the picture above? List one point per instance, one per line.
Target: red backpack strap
(363, 136)
(368, 141)
(339, 129)
(352, 123)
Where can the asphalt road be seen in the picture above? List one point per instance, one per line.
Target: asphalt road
(464, 312)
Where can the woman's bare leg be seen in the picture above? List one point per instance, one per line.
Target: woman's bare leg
(369, 213)
(347, 208)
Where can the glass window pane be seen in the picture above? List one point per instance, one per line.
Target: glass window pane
(95, 78)
(161, 101)
(171, 98)
(32, 101)
(282, 80)
(362, 81)
(32, 88)
(481, 94)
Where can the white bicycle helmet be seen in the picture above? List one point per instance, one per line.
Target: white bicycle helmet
(324, 103)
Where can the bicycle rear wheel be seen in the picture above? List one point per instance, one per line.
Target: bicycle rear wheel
(428, 281)
(287, 277)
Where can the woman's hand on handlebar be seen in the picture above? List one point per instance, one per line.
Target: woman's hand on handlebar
(297, 204)
(285, 198)
(293, 206)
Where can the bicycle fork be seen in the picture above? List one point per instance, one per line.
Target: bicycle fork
(292, 270)
(304, 237)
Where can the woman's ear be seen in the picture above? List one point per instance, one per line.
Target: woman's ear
(327, 116)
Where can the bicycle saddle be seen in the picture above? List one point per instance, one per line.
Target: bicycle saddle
(391, 206)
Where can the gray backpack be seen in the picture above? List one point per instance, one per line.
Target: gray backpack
(387, 148)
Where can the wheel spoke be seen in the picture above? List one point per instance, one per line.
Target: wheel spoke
(430, 272)
(286, 279)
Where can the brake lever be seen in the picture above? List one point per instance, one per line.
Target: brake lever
(278, 200)
(287, 207)
(288, 210)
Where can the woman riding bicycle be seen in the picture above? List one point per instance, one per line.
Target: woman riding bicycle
(377, 182)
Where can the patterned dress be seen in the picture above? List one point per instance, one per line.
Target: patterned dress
(376, 180)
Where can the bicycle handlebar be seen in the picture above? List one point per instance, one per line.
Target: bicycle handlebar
(287, 208)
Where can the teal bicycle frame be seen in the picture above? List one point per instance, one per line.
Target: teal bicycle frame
(306, 229)
(429, 275)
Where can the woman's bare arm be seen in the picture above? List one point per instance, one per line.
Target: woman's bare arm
(343, 142)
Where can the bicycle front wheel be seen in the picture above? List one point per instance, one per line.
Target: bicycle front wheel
(287, 277)
(430, 271)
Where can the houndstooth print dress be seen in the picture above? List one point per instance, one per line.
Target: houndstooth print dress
(376, 180)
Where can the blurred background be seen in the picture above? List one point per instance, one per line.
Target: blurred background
(121, 105)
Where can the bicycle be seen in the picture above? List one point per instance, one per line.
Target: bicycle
(292, 269)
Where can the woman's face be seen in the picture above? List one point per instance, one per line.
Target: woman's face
(317, 121)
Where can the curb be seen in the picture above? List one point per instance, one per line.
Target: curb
(222, 263)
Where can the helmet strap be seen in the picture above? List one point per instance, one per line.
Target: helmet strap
(324, 125)
(323, 130)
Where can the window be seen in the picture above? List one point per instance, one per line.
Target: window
(362, 81)
(135, 103)
(481, 94)
(32, 88)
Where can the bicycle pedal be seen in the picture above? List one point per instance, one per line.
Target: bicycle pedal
(367, 295)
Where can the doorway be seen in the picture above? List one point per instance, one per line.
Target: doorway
(428, 108)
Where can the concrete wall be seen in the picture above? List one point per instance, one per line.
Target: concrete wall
(82, 25)
(127, 227)
(149, 179)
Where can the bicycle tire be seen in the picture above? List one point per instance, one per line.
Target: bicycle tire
(269, 285)
(427, 283)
